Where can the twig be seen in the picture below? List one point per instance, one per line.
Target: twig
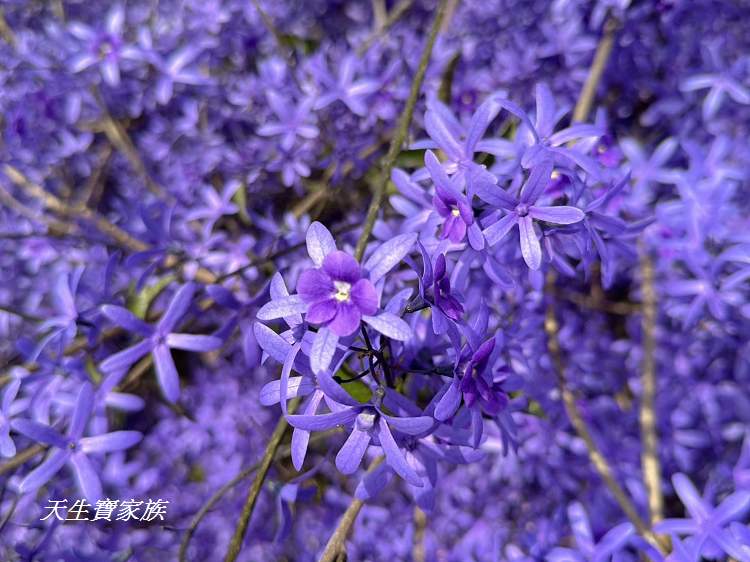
(5, 31)
(21, 457)
(551, 328)
(603, 50)
(337, 543)
(650, 455)
(381, 29)
(235, 544)
(221, 492)
(56, 205)
(420, 524)
(400, 135)
(120, 139)
(114, 232)
(55, 227)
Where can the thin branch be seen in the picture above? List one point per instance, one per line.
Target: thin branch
(598, 460)
(380, 30)
(337, 543)
(603, 50)
(114, 232)
(235, 544)
(650, 452)
(56, 205)
(221, 492)
(21, 457)
(118, 136)
(400, 135)
(420, 524)
(5, 31)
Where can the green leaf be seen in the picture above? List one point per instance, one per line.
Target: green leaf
(356, 389)
(142, 301)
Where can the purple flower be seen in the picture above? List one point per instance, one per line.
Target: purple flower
(369, 424)
(338, 294)
(452, 206)
(587, 551)
(159, 339)
(707, 525)
(523, 212)
(73, 448)
(105, 47)
(477, 388)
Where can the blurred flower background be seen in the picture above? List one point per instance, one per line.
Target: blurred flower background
(475, 273)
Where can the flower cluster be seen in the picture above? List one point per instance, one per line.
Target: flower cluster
(496, 288)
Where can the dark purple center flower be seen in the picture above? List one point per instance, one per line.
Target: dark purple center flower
(338, 294)
(456, 211)
(475, 386)
(442, 296)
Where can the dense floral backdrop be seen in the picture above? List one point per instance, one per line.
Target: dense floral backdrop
(391, 280)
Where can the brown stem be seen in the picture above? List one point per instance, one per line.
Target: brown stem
(597, 458)
(603, 50)
(420, 525)
(402, 129)
(21, 457)
(650, 455)
(337, 543)
(235, 545)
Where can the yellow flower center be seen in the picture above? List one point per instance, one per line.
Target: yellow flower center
(455, 212)
(342, 290)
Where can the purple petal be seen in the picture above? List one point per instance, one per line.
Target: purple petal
(166, 373)
(350, 455)
(574, 132)
(300, 437)
(114, 441)
(732, 508)
(394, 457)
(545, 110)
(320, 243)
(39, 432)
(178, 307)
(271, 342)
(315, 285)
(270, 394)
(390, 326)
(558, 215)
(689, 496)
(322, 350)
(481, 119)
(280, 308)
(497, 231)
(537, 182)
(411, 426)
(388, 255)
(125, 358)
(373, 482)
(340, 266)
(449, 402)
(322, 422)
(365, 297)
(443, 132)
(322, 311)
(7, 446)
(88, 480)
(126, 319)
(530, 248)
(193, 342)
(82, 411)
(46, 470)
(346, 320)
